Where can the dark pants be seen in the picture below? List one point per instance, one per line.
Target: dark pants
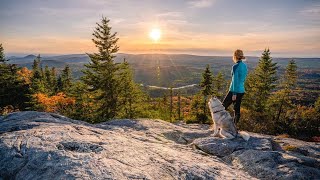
(236, 105)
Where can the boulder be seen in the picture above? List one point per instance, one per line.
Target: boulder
(37, 145)
(266, 157)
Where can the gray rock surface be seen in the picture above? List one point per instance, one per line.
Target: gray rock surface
(35, 145)
(266, 157)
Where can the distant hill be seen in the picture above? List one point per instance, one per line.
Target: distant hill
(21, 60)
(30, 56)
(73, 58)
(49, 63)
(175, 70)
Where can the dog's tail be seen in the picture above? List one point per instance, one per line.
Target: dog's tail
(244, 135)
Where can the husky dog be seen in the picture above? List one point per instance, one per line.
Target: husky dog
(223, 123)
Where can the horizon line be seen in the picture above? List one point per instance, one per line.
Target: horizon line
(21, 55)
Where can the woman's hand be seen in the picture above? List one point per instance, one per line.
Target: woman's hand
(234, 97)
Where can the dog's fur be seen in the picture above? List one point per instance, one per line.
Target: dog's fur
(223, 124)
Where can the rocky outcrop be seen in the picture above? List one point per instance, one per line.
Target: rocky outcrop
(267, 157)
(35, 145)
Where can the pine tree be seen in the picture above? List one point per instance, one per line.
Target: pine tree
(13, 91)
(280, 101)
(261, 83)
(290, 78)
(197, 109)
(59, 84)
(2, 57)
(207, 86)
(37, 79)
(207, 82)
(50, 80)
(219, 85)
(66, 79)
(53, 75)
(47, 78)
(100, 73)
(130, 96)
(199, 101)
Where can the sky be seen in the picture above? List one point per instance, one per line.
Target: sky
(290, 28)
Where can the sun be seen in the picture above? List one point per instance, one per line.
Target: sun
(155, 34)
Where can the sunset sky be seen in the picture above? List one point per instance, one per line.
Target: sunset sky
(205, 27)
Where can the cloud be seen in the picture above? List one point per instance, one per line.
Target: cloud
(311, 12)
(200, 3)
(170, 14)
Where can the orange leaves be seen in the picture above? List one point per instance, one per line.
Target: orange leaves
(25, 75)
(56, 103)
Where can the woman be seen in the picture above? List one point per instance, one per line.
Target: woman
(236, 90)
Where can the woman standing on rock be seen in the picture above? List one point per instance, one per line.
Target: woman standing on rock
(236, 90)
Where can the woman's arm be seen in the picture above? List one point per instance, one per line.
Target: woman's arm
(235, 83)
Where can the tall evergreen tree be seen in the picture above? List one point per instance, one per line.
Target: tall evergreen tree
(47, 74)
(130, 96)
(50, 80)
(66, 79)
(37, 79)
(289, 81)
(207, 86)
(100, 73)
(13, 91)
(53, 75)
(47, 78)
(197, 111)
(280, 101)
(219, 85)
(2, 57)
(199, 102)
(260, 83)
(207, 82)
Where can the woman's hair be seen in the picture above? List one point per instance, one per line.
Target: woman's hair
(238, 55)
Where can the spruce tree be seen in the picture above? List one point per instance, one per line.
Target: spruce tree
(59, 84)
(280, 101)
(207, 82)
(207, 88)
(13, 92)
(50, 80)
(47, 74)
(219, 85)
(2, 57)
(290, 76)
(47, 78)
(53, 75)
(66, 79)
(261, 83)
(37, 79)
(130, 95)
(100, 73)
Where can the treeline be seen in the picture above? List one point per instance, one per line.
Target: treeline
(107, 91)
(268, 106)
(268, 102)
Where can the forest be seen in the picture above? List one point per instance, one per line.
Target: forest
(108, 89)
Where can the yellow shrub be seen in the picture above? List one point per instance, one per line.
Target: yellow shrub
(54, 103)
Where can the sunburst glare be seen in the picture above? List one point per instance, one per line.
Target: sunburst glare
(155, 34)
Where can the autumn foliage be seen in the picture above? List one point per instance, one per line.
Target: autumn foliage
(25, 75)
(56, 103)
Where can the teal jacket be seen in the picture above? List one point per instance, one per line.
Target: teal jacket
(239, 73)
